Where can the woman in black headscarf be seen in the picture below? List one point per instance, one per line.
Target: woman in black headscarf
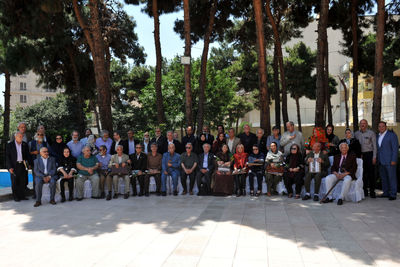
(333, 140)
(57, 148)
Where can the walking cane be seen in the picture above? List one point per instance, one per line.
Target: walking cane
(326, 195)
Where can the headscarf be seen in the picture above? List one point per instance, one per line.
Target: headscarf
(320, 138)
(332, 135)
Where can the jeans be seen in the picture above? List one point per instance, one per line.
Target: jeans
(260, 177)
(174, 173)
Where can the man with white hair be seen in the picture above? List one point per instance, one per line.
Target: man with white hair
(171, 162)
(261, 141)
(171, 140)
(344, 168)
(75, 145)
(206, 167)
(26, 137)
(104, 140)
(87, 165)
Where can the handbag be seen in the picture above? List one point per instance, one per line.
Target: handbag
(120, 170)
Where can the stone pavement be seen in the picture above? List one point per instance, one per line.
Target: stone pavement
(200, 231)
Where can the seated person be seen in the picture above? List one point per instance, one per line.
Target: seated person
(66, 170)
(189, 164)
(87, 165)
(256, 157)
(319, 159)
(119, 169)
(344, 168)
(275, 163)
(294, 172)
(171, 163)
(139, 167)
(206, 169)
(240, 170)
(154, 165)
(223, 178)
(354, 144)
(104, 159)
(45, 172)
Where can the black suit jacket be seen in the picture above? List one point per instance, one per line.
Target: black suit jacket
(178, 146)
(188, 139)
(210, 162)
(350, 164)
(139, 163)
(262, 145)
(160, 144)
(11, 154)
(123, 143)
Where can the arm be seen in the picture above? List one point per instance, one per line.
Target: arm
(395, 148)
(374, 145)
(176, 162)
(284, 139)
(38, 173)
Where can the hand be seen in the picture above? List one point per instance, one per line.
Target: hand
(203, 170)
(325, 152)
(290, 169)
(337, 175)
(165, 172)
(393, 163)
(116, 165)
(129, 161)
(169, 164)
(319, 160)
(100, 164)
(35, 152)
(139, 172)
(374, 161)
(292, 137)
(11, 171)
(273, 165)
(310, 160)
(220, 162)
(123, 165)
(90, 171)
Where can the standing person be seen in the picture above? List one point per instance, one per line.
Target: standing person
(294, 172)
(275, 169)
(333, 140)
(58, 148)
(388, 147)
(75, 145)
(104, 140)
(118, 142)
(261, 141)
(26, 137)
(353, 143)
(132, 142)
(66, 169)
(209, 136)
(42, 130)
(84, 140)
(247, 139)
(119, 169)
(171, 140)
(91, 142)
(189, 164)
(160, 140)
(171, 162)
(257, 157)
(290, 137)
(18, 158)
(240, 170)
(154, 165)
(274, 137)
(139, 167)
(104, 159)
(218, 143)
(189, 137)
(36, 144)
(232, 141)
(87, 165)
(146, 143)
(201, 140)
(367, 139)
(318, 136)
(206, 169)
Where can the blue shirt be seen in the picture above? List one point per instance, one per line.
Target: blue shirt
(175, 161)
(76, 148)
(271, 139)
(84, 141)
(107, 143)
(131, 145)
(205, 161)
(104, 160)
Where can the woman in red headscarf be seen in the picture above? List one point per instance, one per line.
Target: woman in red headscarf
(319, 136)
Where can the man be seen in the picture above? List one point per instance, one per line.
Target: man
(367, 139)
(206, 166)
(45, 172)
(188, 163)
(26, 137)
(171, 140)
(118, 142)
(132, 142)
(261, 141)
(88, 132)
(119, 168)
(290, 137)
(154, 165)
(36, 144)
(75, 145)
(87, 166)
(388, 146)
(209, 136)
(104, 140)
(189, 137)
(160, 140)
(171, 162)
(17, 156)
(232, 141)
(104, 159)
(42, 130)
(139, 167)
(317, 157)
(344, 168)
(247, 139)
(274, 137)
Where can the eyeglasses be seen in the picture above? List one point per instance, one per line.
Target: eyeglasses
(138, 147)
(188, 147)
(293, 148)
(45, 151)
(58, 138)
(40, 135)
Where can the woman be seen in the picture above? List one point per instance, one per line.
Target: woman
(199, 143)
(294, 172)
(58, 148)
(240, 170)
(256, 169)
(66, 170)
(217, 145)
(354, 144)
(333, 140)
(274, 161)
(318, 136)
(223, 179)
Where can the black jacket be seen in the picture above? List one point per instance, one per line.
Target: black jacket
(67, 164)
(160, 144)
(248, 141)
(139, 163)
(178, 146)
(11, 154)
(210, 162)
(123, 143)
(262, 145)
(188, 139)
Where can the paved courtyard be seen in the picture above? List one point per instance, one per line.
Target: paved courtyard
(200, 231)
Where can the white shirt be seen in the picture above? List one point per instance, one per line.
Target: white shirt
(381, 136)
(116, 144)
(45, 165)
(19, 151)
(170, 142)
(145, 147)
(205, 161)
(230, 144)
(316, 155)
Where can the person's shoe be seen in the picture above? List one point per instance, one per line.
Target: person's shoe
(126, 196)
(103, 195)
(306, 197)
(115, 196)
(63, 199)
(191, 193)
(340, 202)
(327, 200)
(269, 194)
(158, 194)
(372, 194)
(290, 195)
(79, 199)
(16, 199)
(365, 193)
(258, 193)
(175, 193)
(140, 194)
(297, 197)
(147, 194)
(134, 194)
(52, 202)
(316, 197)
(164, 194)
(37, 204)
(392, 198)
(108, 197)
(184, 192)
(252, 193)
(238, 193)
(71, 197)
(243, 192)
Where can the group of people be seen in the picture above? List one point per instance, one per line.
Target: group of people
(219, 166)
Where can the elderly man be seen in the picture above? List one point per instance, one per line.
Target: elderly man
(119, 169)
(118, 142)
(132, 142)
(188, 163)
(290, 137)
(321, 163)
(26, 137)
(104, 140)
(206, 169)
(248, 139)
(45, 172)
(189, 137)
(171, 162)
(146, 143)
(160, 140)
(42, 130)
(17, 156)
(75, 145)
(388, 146)
(88, 132)
(171, 140)
(36, 144)
(232, 141)
(139, 167)
(154, 166)
(104, 159)
(367, 139)
(209, 136)
(261, 141)
(344, 168)
(87, 165)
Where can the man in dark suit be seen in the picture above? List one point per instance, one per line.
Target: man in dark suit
(206, 169)
(209, 136)
(189, 137)
(171, 140)
(139, 167)
(45, 172)
(261, 141)
(160, 140)
(248, 139)
(388, 146)
(18, 157)
(344, 168)
(118, 142)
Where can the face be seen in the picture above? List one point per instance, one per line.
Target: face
(315, 132)
(105, 136)
(158, 132)
(329, 130)
(44, 153)
(275, 132)
(189, 130)
(86, 152)
(75, 136)
(317, 147)
(246, 129)
(18, 137)
(231, 133)
(259, 133)
(66, 153)
(205, 129)
(255, 150)
(221, 136)
(170, 136)
(206, 148)
(103, 151)
(130, 134)
(153, 148)
(116, 136)
(239, 149)
(203, 138)
(273, 147)
(146, 136)
(382, 127)
(225, 148)
(348, 134)
(138, 149)
(363, 125)
(290, 127)
(176, 136)
(41, 129)
(188, 148)
(22, 128)
(293, 149)
(344, 148)
(88, 132)
(59, 139)
(220, 129)
(171, 149)
(40, 137)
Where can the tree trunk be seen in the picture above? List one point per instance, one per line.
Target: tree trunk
(93, 107)
(378, 77)
(354, 31)
(327, 87)
(277, 96)
(6, 115)
(262, 68)
(298, 112)
(203, 70)
(346, 98)
(159, 97)
(187, 67)
(322, 42)
(278, 48)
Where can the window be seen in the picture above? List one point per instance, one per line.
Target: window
(22, 98)
(48, 98)
(22, 86)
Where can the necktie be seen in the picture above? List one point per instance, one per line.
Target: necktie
(342, 161)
